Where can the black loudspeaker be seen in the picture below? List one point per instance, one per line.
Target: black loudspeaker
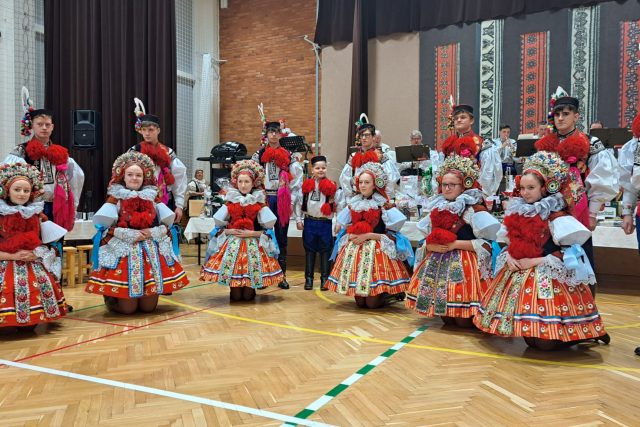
(86, 129)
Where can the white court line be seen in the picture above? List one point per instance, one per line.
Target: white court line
(165, 393)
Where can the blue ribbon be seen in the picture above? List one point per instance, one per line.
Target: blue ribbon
(175, 242)
(212, 236)
(495, 251)
(272, 235)
(576, 259)
(403, 246)
(95, 254)
(336, 245)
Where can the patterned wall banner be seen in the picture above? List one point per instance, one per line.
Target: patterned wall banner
(447, 65)
(585, 24)
(629, 71)
(491, 36)
(534, 72)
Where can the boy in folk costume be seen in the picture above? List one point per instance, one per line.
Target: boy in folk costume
(318, 206)
(135, 261)
(488, 156)
(629, 161)
(370, 254)
(243, 245)
(540, 291)
(368, 152)
(30, 291)
(456, 267)
(63, 178)
(283, 180)
(593, 170)
(170, 172)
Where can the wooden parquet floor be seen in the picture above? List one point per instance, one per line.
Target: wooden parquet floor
(289, 348)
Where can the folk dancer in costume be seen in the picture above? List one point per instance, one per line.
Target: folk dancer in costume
(368, 152)
(540, 289)
(30, 291)
(489, 160)
(63, 178)
(169, 171)
(629, 161)
(318, 206)
(135, 260)
(593, 170)
(243, 248)
(455, 264)
(283, 180)
(369, 264)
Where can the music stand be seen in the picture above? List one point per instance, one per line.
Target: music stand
(612, 137)
(526, 147)
(294, 144)
(412, 153)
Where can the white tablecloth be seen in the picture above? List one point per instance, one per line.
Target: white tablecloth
(603, 236)
(82, 230)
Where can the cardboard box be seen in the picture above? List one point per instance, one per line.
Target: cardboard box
(195, 207)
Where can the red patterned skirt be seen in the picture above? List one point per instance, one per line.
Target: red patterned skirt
(365, 270)
(516, 305)
(144, 272)
(29, 294)
(447, 284)
(242, 262)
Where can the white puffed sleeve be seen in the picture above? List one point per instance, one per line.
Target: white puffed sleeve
(626, 169)
(344, 217)
(393, 219)
(75, 175)
(165, 215)
(567, 231)
(295, 185)
(484, 225)
(424, 225)
(501, 236)
(51, 232)
(393, 176)
(346, 180)
(490, 169)
(106, 216)
(221, 217)
(179, 187)
(266, 218)
(13, 158)
(602, 183)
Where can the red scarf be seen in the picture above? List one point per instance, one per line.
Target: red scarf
(18, 233)
(243, 217)
(136, 213)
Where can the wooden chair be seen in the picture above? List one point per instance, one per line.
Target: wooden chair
(84, 261)
(69, 270)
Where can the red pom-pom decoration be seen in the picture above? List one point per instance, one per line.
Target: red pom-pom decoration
(35, 149)
(328, 187)
(57, 154)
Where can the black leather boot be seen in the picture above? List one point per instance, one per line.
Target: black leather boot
(325, 269)
(309, 268)
(282, 260)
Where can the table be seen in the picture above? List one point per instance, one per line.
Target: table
(83, 229)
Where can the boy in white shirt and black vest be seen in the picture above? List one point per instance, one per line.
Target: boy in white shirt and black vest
(318, 206)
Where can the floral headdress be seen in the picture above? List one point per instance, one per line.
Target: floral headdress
(249, 167)
(548, 166)
(380, 177)
(465, 167)
(130, 158)
(9, 173)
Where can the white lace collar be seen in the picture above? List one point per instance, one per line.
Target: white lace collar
(235, 196)
(543, 207)
(359, 204)
(26, 211)
(148, 192)
(457, 206)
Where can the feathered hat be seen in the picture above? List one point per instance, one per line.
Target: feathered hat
(142, 117)
(30, 113)
(10, 173)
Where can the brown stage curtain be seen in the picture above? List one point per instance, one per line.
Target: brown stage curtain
(99, 55)
(383, 17)
(359, 69)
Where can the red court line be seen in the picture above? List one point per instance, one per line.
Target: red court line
(126, 329)
(95, 321)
